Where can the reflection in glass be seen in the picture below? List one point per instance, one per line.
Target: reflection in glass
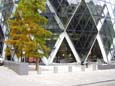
(64, 9)
(64, 54)
(95, 54)
(53, 27)
(1, 40)
(107, 35)
(82, 30)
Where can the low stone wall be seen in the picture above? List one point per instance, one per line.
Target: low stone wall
(19, 68)
(106, 66)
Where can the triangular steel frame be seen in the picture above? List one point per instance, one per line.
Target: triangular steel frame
(57, 46)
(66, 36)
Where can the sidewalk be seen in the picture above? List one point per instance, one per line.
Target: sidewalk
(64, 68)
(87, 78)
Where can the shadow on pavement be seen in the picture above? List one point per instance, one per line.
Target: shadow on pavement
(93, 83)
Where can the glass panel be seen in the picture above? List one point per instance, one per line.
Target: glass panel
(82, 30)
(53, 27)
(97, 6)
(1, 4)
(7, 8)
(107, 35)
(64, 9)
(96, 9)
(95, 54)
(64, 54)
(114, 11)
(1, 40)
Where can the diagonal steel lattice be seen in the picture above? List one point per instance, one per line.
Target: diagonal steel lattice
(82, 25)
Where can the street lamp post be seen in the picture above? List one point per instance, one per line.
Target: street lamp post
(23, 55)
(12, 53)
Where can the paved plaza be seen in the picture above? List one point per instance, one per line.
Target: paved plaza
(75, 78)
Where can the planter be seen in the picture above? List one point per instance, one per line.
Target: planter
(106, 66)
(19, 68)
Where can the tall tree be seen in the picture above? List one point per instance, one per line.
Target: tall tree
(27, 33)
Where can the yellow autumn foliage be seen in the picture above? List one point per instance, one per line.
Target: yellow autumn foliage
(28, 23)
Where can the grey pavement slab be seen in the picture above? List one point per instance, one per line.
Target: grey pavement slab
(87, 78)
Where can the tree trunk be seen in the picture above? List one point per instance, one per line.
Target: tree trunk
(37, 64)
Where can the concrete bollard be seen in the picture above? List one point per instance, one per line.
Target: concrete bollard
(39, 70)
(69, 68)
(86, 65)
(82, 68)
(94, 67)
(55, 69)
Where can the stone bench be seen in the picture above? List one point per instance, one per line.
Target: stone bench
(19, 68)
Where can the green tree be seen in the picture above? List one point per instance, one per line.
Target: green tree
(27, 33)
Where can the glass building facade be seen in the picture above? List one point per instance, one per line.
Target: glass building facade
(82, 30)
(87, 30)
(6, 9)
